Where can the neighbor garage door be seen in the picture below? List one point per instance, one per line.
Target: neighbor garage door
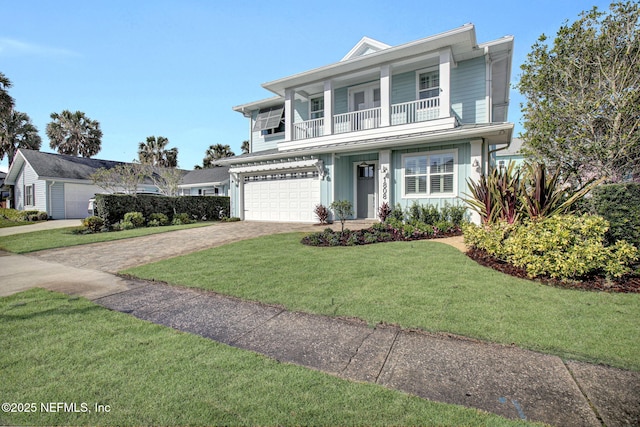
(281, 197)
(76, 199)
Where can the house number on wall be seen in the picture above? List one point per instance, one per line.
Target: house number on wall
(384, 189)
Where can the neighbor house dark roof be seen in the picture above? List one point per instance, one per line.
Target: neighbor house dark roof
(60, 166)
(63, 167)
(206, 176)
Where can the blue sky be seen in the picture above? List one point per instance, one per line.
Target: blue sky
(176, 68)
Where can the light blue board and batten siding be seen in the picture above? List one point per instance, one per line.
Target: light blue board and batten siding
(464, 169)
(468, 91)
(260, 142)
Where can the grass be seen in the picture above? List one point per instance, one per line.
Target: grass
(63, 237)
(61, 349)
(4, 223)
(420, 284)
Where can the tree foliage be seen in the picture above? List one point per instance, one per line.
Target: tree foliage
(124, 177)
(215, 153)
(154, 152)
(17, 131)
(6, 101)
(245, 147)
(74, 134)
(582, 109)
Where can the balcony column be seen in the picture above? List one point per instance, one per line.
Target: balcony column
(289, 99)
(385, 95)
(328, 107)
(446, 61)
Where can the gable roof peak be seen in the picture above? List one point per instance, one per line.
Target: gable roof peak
(365, 46)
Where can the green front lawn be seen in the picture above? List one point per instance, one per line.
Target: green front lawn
(420, 284)
(63, 237)
(68, 350)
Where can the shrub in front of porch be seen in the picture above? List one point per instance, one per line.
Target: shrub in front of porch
(397, 227)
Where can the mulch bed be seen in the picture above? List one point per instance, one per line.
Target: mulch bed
(596, 283)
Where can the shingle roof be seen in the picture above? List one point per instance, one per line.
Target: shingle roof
(50, 165)
(64, 167)
(209, 175)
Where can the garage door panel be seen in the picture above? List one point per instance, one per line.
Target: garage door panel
(282, 199)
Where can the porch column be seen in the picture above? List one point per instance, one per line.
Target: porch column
(385, 95)
(328, 107)
(289, 99)
(475, 171)
(446, 61)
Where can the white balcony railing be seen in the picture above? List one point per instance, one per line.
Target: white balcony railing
(408, 112)
(356, 120)
(308, 129)
(415, 111)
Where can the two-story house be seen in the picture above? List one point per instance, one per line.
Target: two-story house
(386, 124)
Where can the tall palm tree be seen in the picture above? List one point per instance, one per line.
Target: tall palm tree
(6, 101)
(216, 152)
(74, 134)
(245, 147)
(153, 152)
(17, 131)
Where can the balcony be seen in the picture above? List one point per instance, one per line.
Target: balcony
(400, 114)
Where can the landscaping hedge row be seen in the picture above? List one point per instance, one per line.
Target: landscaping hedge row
(112, 207)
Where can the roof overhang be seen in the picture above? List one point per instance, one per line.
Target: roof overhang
(14, 168)
(461, 40)
(492, 133)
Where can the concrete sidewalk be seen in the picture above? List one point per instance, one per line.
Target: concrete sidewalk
(39, 226)
(505, 380)
(508, 381)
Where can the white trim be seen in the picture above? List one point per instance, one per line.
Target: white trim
(427, 195)
(276, 166)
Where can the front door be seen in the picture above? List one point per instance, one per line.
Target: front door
(366, 191)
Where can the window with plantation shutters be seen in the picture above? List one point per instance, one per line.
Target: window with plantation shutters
(429, 174)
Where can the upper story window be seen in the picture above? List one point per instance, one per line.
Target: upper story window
(316, 107)
(428, 84)
(270, 120)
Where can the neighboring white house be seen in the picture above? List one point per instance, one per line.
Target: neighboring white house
(61, 185)
(206, 182)
(386, 124)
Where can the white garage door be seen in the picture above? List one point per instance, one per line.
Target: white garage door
(281, 197)
(76, 199)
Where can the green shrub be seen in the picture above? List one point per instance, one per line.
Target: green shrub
(620, 205)
(158, 219)
(112, 207)
(560, 246)
(135, 218)
(488, 237)
(126, 225)
(181, 218)
(94, 224)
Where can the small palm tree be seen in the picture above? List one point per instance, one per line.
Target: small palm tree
(153, 152)
(74, 134)
(216, 152)
(17, 131)
(245, 147)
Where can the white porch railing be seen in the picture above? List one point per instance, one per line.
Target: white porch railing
(308, 129)
(415, 111)
(356, 120)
